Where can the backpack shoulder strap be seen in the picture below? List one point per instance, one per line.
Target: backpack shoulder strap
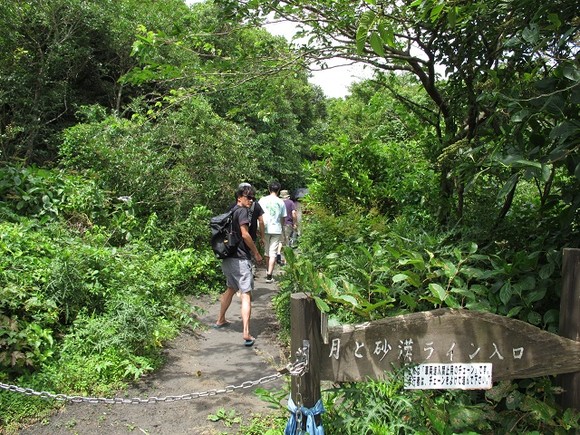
(251, 212)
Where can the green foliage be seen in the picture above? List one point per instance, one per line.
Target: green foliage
(187, 271)
(49, 278)
(227, 63)
(269, 423)
(191, 231)
(17, 408)
(47, 194)
(79, 316)
(374, 158)
(168, 165)
(373, 407)
(384, 407)
(515, 104)
(352, 176)
(448, 412)
(58, 55)
(94, 267)
(363, 268)
(27, 316)
(227, 418)
(531, 405)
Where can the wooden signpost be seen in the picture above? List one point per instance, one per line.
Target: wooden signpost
(515, 349)
(448, 348)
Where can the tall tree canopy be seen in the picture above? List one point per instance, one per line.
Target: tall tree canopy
(248, 76)
(59, 54)
(503, 82)
(141, 61)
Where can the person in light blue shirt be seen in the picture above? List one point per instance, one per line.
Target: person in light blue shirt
(274, 214)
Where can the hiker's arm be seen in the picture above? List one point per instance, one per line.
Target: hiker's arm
(250, 243)
(262, 230)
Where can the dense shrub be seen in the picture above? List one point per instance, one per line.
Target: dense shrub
(361, 267)
(166, 164)
(28, 318)
(390, 177)
(78, 315)
(47, 194)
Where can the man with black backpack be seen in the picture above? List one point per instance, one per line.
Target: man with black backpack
(256, 217)
(256, 222)
(237, 267)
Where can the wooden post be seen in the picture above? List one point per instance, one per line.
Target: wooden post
(570, 322)
(305, 325)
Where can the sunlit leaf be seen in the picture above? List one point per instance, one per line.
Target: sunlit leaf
(472, 248)
(377, 44)
(436, 11)
(438, 291)
(364, 26)
(451, 302)
(348, 298)
(387, 34)
(400, 277)
(321, 304)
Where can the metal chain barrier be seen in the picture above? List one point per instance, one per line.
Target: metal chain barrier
(302, 355)
(296, 369)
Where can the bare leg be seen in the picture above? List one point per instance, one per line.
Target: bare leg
(246, 299)
(282, 243)
(225, 302)
(271, 264)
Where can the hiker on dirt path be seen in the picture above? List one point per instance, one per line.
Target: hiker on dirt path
(256, 217)
(238, 268)
(290, 224)
(274, 214)
(256, 222)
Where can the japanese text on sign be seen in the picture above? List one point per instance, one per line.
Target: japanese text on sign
(470, 376)
(407, 348)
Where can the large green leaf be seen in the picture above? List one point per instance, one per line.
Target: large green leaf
(438, 291)
(366, 21)
(436, 12)
(387, 33)
(505, 293)
(411, 277)
(377, 44)
(508, 186)
(520, 162)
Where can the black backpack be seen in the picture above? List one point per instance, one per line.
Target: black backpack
(224, 240)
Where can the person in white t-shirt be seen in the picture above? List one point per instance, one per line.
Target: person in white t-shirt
(274, 214)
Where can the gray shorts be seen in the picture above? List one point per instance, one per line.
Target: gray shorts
(238, 273)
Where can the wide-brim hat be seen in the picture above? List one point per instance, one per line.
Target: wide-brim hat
(284, 194)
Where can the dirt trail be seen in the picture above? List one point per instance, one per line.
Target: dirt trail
(206, 360)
